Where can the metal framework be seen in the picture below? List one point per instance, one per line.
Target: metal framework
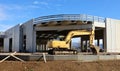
(62, 17)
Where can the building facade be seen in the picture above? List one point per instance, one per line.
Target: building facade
(33, 35)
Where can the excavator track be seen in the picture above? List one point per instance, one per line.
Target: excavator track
(62, 51)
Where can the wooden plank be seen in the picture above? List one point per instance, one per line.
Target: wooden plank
(13, 55)
(44, 57)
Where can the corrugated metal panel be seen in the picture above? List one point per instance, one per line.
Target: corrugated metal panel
(113, 39)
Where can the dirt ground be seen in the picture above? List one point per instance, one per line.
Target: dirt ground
(60, 66)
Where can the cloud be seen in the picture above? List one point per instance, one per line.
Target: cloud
(33, 7)
(40, 3)
(17, 7)
(11, 12)
(35, 2)
(44, 3)
(4, 27)
(48, 4)
(11, 7)
(3, 15)
(5, 11)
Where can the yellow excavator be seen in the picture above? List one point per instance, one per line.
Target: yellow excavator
(63, 46)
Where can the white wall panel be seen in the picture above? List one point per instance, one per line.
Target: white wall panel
(30, 38)
(99, 24)
(113, 35)
(13, 33)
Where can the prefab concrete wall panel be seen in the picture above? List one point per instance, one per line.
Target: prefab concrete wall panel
(30, 36)
(113, 35)
(6, 45)
(99, 24)
(14, 34)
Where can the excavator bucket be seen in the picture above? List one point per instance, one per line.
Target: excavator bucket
(95, 49)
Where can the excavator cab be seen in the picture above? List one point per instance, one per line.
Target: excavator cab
(61, 37)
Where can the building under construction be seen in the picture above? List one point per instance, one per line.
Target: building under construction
(33, 35)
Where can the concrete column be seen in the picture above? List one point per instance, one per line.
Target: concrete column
(104, 45)
(104, 41)
(98, 42)
(34, 41)
(85, 45)
(45, 47)
(81, 44)
(41, 47)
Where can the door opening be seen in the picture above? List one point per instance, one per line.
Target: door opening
(10, 45)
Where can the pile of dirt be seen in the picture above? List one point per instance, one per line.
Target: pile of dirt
(60, 66)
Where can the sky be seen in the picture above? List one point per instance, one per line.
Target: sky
(13, 12)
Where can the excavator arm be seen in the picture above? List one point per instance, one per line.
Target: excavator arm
(76, 33)
(95, 49)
